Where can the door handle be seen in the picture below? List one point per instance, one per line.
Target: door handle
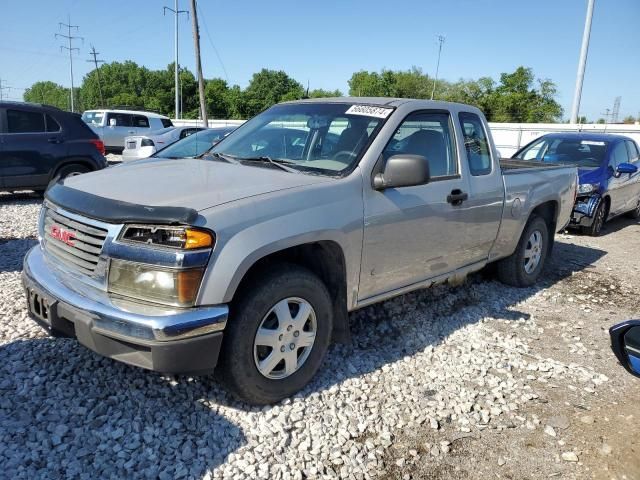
(457, 196)
(132, 131)
(55, 140)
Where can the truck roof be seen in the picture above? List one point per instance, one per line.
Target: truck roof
(383, 101)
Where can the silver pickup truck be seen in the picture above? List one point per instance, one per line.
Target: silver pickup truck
(250, 258)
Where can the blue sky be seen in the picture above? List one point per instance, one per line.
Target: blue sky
(326, 41)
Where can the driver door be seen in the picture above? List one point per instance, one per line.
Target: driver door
(414, 233)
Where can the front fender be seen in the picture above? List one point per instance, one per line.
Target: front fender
(255, 228)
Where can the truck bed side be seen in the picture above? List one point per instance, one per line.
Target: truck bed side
(531, 185)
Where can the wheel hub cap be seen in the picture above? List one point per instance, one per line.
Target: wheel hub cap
(285, 338)
(533, 252)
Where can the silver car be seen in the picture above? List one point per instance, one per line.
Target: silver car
(143, 146)
(112, 126)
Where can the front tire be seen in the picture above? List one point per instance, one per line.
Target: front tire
(598, 220)
(524, 266)
(277, 335)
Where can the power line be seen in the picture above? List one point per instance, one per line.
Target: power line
(70, 38)
(95, 61)
(176, 12)
(440, 39)
(206, 29)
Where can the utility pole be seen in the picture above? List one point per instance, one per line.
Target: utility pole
(440, 39)
(70, 38)
(95, 61)
(582, 63)
(196, 41)
(176, 12)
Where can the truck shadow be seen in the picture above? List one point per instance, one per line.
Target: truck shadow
(96, 417)
(13, 252)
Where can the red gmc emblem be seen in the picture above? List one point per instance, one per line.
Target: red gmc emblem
(63, 235)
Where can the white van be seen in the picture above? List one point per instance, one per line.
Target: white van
(112, 126)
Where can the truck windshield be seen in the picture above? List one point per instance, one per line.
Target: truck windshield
(321, 138)
(583, 153)
(93, 118)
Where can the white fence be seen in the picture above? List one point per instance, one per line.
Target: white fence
(509, 137)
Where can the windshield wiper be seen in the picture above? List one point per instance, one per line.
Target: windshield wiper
(282, 164)
(222, 156)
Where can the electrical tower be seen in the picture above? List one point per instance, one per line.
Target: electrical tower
(615, 113)
(440, 39)
(95, 61)
(176, 12)
(70, 38)
(3, 88)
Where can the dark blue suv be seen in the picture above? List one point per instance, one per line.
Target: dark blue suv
(40, 144)
(608, 169)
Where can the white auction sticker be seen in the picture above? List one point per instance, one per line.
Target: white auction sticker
(369, 111)
(591, 142)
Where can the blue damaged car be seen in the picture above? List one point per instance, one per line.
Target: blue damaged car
(608, 170)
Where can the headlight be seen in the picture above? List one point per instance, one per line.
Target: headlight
(155, 284)
(186, 238)
(587, 188)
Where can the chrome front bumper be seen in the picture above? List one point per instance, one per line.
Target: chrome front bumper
(145, 335)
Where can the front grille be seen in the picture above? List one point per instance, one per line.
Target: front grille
(73, 243)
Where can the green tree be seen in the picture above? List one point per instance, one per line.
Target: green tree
(629, 119)
(49, 93)
(269, 87)
(216, 91)
(321, 93)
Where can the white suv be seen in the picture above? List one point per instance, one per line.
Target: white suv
(112, 126)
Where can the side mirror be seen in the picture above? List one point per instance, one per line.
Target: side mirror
(112, 122)
(625, 343)
(627, 168)
(403, 171)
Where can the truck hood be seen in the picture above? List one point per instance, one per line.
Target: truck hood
(191, 183)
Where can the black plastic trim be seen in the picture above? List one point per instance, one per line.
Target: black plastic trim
(117, 211)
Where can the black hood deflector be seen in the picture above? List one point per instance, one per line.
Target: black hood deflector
(117, 211)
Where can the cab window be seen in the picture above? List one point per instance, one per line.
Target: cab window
(430, 135)
(619, 155)
(140, 121)
(633, 151)
(122, 119)
(22, 121)
(475, 144)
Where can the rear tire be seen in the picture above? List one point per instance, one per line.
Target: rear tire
(291, 308)
(635, 213)
(524, 266)
(598, 220)
(68, 171)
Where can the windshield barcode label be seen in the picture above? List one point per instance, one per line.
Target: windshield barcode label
(369, 111)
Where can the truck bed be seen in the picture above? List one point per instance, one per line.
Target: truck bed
(513, 165)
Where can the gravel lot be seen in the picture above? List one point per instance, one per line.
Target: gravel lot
(477, 381)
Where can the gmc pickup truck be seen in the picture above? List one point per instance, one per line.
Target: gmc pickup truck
(249, 258)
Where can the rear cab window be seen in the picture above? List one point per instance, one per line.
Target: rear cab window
(429, 134)
(23, 121)
(166, 122)
(476, 144)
